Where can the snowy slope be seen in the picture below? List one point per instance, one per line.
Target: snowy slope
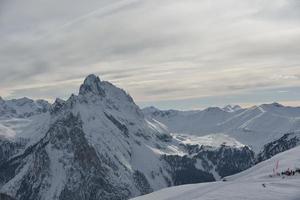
(213, 140)
(245, 185)
(287, 160)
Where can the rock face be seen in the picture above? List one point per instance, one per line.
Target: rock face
(98, 145)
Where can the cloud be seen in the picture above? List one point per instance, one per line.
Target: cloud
(157, 50)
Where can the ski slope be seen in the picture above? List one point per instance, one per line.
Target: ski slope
(247, 185)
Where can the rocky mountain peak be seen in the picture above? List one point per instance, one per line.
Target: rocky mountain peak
(232, 108)
(57, 105)
(92, 85)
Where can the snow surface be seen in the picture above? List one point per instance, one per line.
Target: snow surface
(247, 185)
(213, 140)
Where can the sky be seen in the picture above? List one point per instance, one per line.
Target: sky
(173, 54)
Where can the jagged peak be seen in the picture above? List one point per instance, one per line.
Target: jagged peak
(92, 84)
(232, 108)
(59, 101)
(273, 105)
(57, 105)
(213, 109)
(91, 78)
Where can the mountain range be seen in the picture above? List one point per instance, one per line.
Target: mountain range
(254, 126)
(98, 144)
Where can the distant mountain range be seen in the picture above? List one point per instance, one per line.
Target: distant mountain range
(255, 126)
(100, 145)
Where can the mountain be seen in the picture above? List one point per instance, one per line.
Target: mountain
(255, 126)
(256, 183)
(99, 145)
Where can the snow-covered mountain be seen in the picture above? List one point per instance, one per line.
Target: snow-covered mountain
(99, 145)
(256, 183)
(255, 126)
(198, 123)
(21, 108)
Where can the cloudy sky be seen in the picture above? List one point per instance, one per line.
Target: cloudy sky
(182, 54)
